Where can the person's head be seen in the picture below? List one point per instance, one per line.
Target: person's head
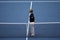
(31, 11)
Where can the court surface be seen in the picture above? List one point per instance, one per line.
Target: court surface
(14, 20)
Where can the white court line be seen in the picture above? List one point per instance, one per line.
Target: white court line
(27, 31)
(28, 23)
(25, 1)
(45, 1)
(14, 1)
(12, 23)
(34, 23)
(47, 23)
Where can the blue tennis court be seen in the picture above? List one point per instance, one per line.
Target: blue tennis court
(14, 20)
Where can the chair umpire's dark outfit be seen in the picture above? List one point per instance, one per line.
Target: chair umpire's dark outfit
(32, 20)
